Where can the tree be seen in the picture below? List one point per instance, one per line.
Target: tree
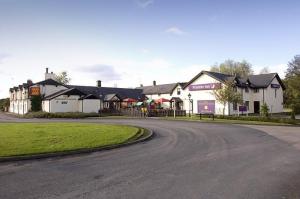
(228, 94)
(63, 78)
(231, 67)
(4, 104)
(264, 109)
(36, 103)
(292, 92)
(264, 70)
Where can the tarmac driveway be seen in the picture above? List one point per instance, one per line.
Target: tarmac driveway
(184, 160)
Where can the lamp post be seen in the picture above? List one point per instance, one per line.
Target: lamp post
(189, 96)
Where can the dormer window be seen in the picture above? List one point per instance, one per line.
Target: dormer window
(178, 91)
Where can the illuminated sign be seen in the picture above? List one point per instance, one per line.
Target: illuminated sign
(211, 86)
(34, 91)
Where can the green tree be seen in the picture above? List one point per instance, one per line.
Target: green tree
(4, 104)
(63, 78)
(231, 67)
(228, 94)
(36, 103)
(264, 109)
(292, 92)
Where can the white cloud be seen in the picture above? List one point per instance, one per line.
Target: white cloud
(145, 51)
(3, 56)
(144, 3)
(175, 30)
(280, 69)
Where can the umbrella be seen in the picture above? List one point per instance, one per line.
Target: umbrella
(129, 100)
(161, 100)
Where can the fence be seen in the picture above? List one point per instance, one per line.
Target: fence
(152, 112)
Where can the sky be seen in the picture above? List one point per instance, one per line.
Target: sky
(126, 43)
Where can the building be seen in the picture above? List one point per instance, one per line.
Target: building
(196, 96)
(57, 97)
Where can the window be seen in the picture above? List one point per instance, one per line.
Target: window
(247, 90)
(234, 106)
(256, 90)
(247, 104)
(178, 91)
(275, 93)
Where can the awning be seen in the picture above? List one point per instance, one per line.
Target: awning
(176, 99)
(149, 101)
(139, 104)
(129, 100)
(161, 100)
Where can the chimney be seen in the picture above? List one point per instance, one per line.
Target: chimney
(49, 75)
(141, 85)
(99, 83)
(29, 82)
(154, 83)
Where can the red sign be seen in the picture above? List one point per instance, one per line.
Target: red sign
(34, 91)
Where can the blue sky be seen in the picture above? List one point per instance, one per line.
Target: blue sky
(128, 42)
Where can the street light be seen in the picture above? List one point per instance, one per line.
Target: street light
(189, 96)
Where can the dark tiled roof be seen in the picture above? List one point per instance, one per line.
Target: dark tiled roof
(101, 92)
(49, 82)
(158, 89)
(261, 81)
(253, 81)
(69, 91)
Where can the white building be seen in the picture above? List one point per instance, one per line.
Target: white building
(196, 96)
(57, 97)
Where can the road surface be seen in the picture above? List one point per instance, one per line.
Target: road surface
(184, 160)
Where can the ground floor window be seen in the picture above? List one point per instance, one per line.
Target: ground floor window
(235, 106)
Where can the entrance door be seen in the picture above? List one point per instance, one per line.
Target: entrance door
(256, 106)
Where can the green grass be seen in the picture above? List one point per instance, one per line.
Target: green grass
(35, 138)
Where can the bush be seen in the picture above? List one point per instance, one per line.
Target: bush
(264, 109)
(73, 115)
(255, 118)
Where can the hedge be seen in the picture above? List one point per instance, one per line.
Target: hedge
(257, 118)
(72, 115)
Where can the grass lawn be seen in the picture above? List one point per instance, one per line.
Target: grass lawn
(35, 138)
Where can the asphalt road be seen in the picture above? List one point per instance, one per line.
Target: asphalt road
(184, 160)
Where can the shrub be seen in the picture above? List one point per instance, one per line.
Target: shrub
(264, 109)
(73, 115)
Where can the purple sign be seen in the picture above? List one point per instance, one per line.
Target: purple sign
(206, 106)
(198, 87)
(242, 108)
(275, 86)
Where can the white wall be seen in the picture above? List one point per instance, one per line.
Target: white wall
(202, 95)
(89, 105)
(65, 103)
(275, 103)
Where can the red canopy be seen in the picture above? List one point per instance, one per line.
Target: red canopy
(161, 100)
(129, 100)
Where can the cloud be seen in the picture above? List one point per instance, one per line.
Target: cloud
(280, 69)
(145, 51)
(3, 56)
(101, 72)
(144, 3)
(175, 30)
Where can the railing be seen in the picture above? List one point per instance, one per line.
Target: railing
(152, 112)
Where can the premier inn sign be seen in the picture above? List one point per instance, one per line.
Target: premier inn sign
(211, 86)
